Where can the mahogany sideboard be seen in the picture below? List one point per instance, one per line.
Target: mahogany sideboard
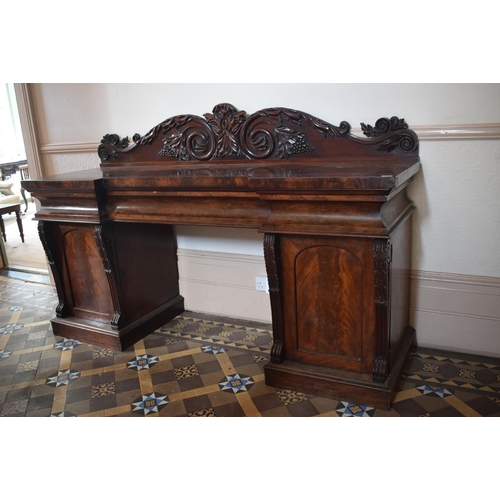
(336, 224)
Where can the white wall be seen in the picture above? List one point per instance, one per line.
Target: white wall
(85, 112)
(456, 225)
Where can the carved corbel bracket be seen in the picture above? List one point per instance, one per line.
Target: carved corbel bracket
(47, 242)
(382, 254)
(104, 240)
(272, 258)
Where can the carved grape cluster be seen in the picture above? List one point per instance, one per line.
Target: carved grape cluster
(278, 132)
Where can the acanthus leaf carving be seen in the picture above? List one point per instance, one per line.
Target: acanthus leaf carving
(109, 144)
(384, 126)
(382, 256)
(401, 137)
(270, 133)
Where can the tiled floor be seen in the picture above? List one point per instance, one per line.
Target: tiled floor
(198, 366)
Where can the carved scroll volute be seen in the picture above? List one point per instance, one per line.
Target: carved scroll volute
(382, 251)
(47, 242)
(104, 241)
(188, 137)
(272, 258)
(393, 133)
(280, 133)
(272, 133)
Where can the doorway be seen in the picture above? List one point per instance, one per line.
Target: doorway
(24, 260)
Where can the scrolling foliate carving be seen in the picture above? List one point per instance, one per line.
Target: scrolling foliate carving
(270, 130)
(272, 133)
(381, 260)
(382, 254)
(104, 151)
(400, 137)
(227, 132)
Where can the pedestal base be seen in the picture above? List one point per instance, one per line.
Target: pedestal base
(339, 384)
(104, 335)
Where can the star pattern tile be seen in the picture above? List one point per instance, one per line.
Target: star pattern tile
(142, 362)
(236, 383)
(199, 365)
(150, 403)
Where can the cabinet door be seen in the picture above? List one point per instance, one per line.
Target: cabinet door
(86, 288)
(329, 302)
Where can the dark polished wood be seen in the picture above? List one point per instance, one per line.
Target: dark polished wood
(8, 169)
(336, 224)
(8, 209)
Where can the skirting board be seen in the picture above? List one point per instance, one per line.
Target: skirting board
(223, 283)
(448, 311)
(456, 312)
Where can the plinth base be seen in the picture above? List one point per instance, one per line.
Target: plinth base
(339, 384)
(103, 335)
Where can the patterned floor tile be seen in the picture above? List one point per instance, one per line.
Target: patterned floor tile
(14, 408)
(345, 409)
(150, 403)
(200, 365)
(236, 383)
(62, 378)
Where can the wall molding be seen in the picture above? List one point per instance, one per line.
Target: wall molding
(223, 283)
(467, 132)
(455, 312)
(467, 279)
(449, 132)
(69, 147)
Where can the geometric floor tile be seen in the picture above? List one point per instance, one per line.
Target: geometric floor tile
(10, 328)
(101, 352)
(186, 372)
(345, 409)
(27, 366)
(142, 362)
(236, 383)
(208, 412)
(212, 349)
(67, 344)
(14, 408)
(180, 377)
(148, 403)
(106, 389)
(62, 378)
(434, 391)
(289, 397)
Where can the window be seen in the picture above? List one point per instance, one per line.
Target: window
(11, 138)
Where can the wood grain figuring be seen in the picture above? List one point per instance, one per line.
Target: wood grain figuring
(328, 288)
(86, 283)
(331, 205)
(328, 296)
